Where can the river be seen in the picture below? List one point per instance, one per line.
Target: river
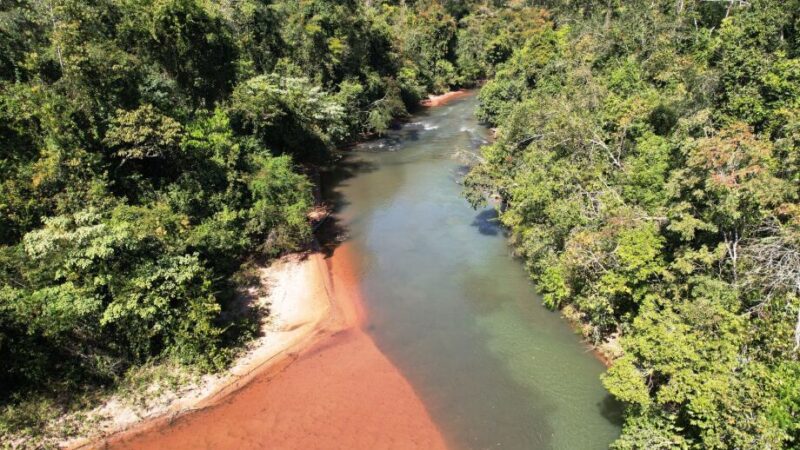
(450, 306)
(454, 350)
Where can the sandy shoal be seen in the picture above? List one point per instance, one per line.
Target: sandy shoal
(329, 388)
(439, 100)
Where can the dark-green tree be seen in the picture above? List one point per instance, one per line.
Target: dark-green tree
(150, 147)
(647, 164)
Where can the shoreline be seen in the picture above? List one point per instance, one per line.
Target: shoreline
(334, 386)
(302, 312)
(606, 352)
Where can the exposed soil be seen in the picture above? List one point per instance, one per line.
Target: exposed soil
(341, 392)
(439, 100)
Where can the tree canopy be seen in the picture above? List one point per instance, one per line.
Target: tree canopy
(150, 147)
(646, 162)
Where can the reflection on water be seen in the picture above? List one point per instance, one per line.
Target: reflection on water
(449, 305)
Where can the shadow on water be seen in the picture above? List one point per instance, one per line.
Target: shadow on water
(612, 410)
(333, 232)
(487, 223)
(461, 171)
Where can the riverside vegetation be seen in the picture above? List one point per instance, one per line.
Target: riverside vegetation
(149, 149)
(647, 162)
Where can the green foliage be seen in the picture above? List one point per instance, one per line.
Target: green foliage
(143, 134)
(427, 36)
(150, 147)
(281, 199)
(189, 41)
(646, 163)
(289, 113)
(627, 383)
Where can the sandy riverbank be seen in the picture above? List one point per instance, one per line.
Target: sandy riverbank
(439, 100)
(317, 382)
(297, 296)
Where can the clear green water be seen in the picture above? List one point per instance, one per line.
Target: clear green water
(451, 308)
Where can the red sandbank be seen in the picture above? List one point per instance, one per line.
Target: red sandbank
(340, 393)
(439, 100)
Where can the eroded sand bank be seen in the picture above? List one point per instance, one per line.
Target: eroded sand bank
(331, 389)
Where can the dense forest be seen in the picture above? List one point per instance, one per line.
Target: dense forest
(648, 168)
(647, 165)
(149, 148)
